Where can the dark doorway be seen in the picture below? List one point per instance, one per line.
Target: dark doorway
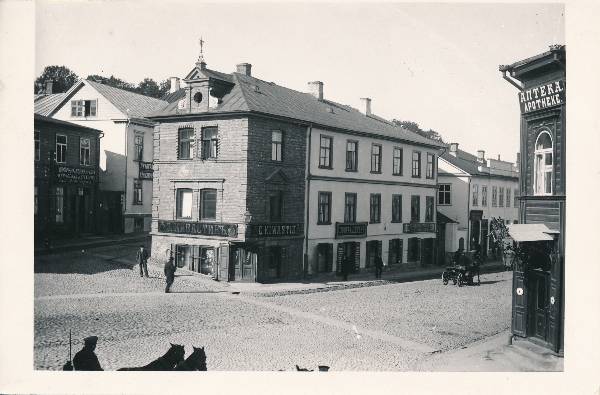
(373, 251)
(244, 263)
(274, 262)
(484, 238)
(324, 258)
(538, 304)
(348, 252)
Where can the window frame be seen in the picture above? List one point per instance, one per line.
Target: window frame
(203, 193)
(82, 161)
(210, 144)
(376, 158)
(508, 196)
(375, 208)
(475, 195)
(484, 196)
(397, 208)
(429, 208)
(63, 151)
(187, 140)
(138, 192)
(350, 215)
(430, 169)
(179, 203)
(541, 168)
(325, 152)
(324, 216)
(416, 170)
(516, 198)
(138, 144)
(277, 146)
(83, 108)
(500, 196)
(278, 217)
(448, 193)
(412, 206)
(397, 161)
(352, 156)
(494, 196)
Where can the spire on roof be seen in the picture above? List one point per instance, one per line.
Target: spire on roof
(200, 62)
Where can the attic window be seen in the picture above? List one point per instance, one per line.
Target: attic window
(83, 108)
(198, 97)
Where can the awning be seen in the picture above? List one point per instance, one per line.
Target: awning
(529, 232)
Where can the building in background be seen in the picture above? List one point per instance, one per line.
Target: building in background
(538, 281)
(126, 155)
(65, 179)
(257, 182)
(471, 191)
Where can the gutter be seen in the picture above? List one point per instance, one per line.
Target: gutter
(517, 84)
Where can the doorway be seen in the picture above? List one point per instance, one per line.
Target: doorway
(539, 282)
(244, 264)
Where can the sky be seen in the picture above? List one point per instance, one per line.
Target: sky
(434, 64)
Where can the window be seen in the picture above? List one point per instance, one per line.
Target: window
(324, 208)
(507, 197)
(139, 147)
(494, 197)
(186, 144)
(35, 200)
(209, 143)
(543, 165)
(396, 208)
(416, 164)
(475, 200)
(59, 205)
(444, 194)
(484, 195)
(516, 197)
(276, 145)
(430, 166)
(138, 224)
(36, 139)
(429, 207)
(375, 158)
(84, 151)
(325, 152)
(208, 204)
(351, 155)
(375, 208)
(501, 197)
(276, 207)
(397, 162)
(184, 203)
(61, 148)
(415, 208)
(350, 208)
(414, 249)
(137, 191)
(83, 108)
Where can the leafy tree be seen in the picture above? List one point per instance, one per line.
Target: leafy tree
(148, 87)
(165, 87)
(62, 77)
(112, 81)
(414, 127)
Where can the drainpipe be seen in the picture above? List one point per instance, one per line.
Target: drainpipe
(468, 246)
(307, 218)
(126, 166)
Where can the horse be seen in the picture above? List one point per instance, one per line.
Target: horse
(299, 369)
(172, 357)
(196, 361)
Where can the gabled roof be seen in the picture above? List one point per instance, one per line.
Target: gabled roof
(44, 104)
(468, 163)
(43, 118)
(250, 94)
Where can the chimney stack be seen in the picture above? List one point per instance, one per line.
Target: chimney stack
(498, 156)
(244, 68)
(453, 149)
(480, 156)
(174, 84)
(366, 105)
(49, 84)
(315, 88)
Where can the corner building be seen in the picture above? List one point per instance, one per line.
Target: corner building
(239, 172)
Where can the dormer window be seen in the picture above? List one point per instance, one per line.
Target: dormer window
(83, 108)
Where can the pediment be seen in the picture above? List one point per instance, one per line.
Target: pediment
(277, 177)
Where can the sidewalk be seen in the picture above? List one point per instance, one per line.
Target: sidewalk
(62, 245)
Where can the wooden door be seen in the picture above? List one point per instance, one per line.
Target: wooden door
(223, 263)
(538, 304)
(519, 304)
(554, 308)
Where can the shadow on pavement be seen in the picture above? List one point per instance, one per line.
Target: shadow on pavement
(77, 263)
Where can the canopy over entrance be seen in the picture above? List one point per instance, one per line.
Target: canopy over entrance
(530, 232)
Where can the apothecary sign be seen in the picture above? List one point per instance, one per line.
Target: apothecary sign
(551, 94)
(146, 171)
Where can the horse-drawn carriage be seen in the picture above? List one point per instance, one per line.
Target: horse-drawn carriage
(463, 272)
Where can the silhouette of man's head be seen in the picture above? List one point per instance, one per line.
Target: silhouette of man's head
(90, 342)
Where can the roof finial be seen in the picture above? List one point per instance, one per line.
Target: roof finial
(201, 57)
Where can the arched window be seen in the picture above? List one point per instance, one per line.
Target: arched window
(543, 164)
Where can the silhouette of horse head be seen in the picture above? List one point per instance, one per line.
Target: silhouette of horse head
(196, 361)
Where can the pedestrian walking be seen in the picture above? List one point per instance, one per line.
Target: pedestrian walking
(142, 260)
(86, 359)
(170, 273)
(378, 266)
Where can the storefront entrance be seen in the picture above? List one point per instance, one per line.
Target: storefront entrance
(244, 263)
(539, 282)
(348, 253)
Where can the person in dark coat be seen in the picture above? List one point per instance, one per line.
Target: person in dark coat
(378, 266)
(142, 260)
(170, 273)
(85, 359)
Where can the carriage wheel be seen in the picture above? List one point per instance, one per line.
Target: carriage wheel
(444, 278)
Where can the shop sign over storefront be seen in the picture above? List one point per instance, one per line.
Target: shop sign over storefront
(75, 175)
(358, 229)
(544, 96)
(198, 228)
(274, 230)
(146, 171)
(419, 227)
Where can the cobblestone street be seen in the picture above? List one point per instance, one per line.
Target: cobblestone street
(393, 326)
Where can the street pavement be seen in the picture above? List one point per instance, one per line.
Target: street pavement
(384, 327)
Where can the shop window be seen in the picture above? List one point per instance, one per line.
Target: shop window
(397, 161)
(83, 108)
(416, 164)
(139, 147)
(184, 203)
(137, 191)
(36, 139)
(276, 207)
(507, 197)
(395, 251)
(430, 173)
(210, 143)
(375, 217)
(484, 195)
(376, 158)
(543, 164)
(350, 207)
(494, 196)
(61, 148)
(475, 200)
(277, 145)
(415, 208)
(501, 197)
(84, 151)
(208, 204)
(138, 224)
(325, 160)
(414, 251)
(199, 259)
(59, 205)
(396, 208)
(324, 257)
(186, 144)
(444, 194)
(274, 261)
(351, 155)
(324, 208)
(429, 208)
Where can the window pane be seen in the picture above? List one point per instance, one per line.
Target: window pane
(549, 158)
(184, 203)
(209, 204)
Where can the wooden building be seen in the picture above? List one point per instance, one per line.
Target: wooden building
(538, 281)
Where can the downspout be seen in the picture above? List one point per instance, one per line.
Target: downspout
(126, 166)
(307, 201)
(468, 247)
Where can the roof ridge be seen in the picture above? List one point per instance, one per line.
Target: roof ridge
(125, 90)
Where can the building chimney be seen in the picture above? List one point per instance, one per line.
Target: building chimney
(366, 105)
(174, 84)
(453, 149)
(498, 156)
(315, 88)
(244, 68)
(49, 84)
(480, 156)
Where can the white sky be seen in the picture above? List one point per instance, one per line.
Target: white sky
(435, 64)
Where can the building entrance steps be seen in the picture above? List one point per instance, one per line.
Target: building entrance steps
(89, 241)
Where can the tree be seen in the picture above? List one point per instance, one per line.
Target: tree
(414, 127)
(112, 81)
(148, 87)
(165, 87)
(61, 76)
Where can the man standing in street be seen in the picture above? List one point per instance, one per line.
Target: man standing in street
(85, 359)
(378, 266)
(142, 260)
(170, 273)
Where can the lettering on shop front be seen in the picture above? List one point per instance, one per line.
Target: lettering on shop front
(274, 230)
(198, 228)
(419, 227)
(146, 171)
(541, 97)
(75, 175)
(358, 229)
